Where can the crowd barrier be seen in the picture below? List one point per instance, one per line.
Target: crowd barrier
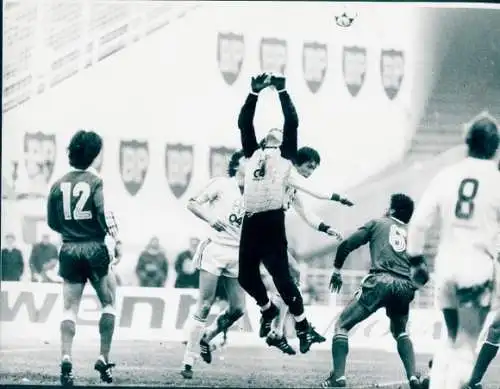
(33, 311)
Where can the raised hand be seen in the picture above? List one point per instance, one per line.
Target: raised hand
(260, 82)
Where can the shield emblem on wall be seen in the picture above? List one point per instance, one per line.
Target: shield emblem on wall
(273, 55)
(354, 68)
(39, 156)
(230, 55)
(219, 160)
(179, 164)
(314, 64)
(392, 69)
(134, 164)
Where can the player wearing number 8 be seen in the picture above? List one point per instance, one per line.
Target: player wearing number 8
(388, 285)
(77, 210)
(466, 198)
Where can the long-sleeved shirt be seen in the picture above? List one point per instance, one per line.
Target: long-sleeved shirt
(267, 169)
(12, 264)
(78, 209)
(41, 253)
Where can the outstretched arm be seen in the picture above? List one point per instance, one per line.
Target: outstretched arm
(359, 238)
(299, 183)
(290, 126)
(245, 124)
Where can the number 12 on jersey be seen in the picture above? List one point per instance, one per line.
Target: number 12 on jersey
(81, 191)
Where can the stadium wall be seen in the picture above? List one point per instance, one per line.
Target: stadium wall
(167, 107)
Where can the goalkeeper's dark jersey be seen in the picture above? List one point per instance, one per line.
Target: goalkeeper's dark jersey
(387, 239)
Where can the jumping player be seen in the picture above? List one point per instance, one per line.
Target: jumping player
(388, 285)
(263, 235)
(466, 198)
(78, 210)
(220, 204)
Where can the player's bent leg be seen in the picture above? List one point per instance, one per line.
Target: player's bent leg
(206, 298)
(353, 314)
(489, 350)
(236, 308)
(72, 295)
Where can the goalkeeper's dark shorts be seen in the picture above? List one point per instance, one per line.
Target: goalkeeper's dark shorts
(82, 261)
(385, 290)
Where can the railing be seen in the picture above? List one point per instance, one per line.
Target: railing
(47, 42)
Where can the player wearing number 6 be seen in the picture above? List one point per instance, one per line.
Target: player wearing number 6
(388, 285)
(77, 209)
(220, 204)
(466, 199)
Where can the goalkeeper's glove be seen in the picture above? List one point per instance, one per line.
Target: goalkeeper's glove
(336, 281)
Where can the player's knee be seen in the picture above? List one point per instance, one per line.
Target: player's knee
(398, 329)
(493, 336)
(340, 329)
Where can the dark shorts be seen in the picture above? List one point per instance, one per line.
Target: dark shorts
(82, 261)
(383, 290)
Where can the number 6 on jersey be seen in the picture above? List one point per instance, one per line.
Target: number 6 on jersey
(81, 191)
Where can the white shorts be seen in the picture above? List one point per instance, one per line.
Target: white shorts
(217, 259)
(464, 282)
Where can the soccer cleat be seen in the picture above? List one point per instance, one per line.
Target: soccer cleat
(306, 339)
(187, 372)
(205, 350)
(317, 337)
(331, 382)
(266, 320)
(281, 343)
(104, 370)
(66, 377)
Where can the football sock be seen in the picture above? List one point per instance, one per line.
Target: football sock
(194, 337)
(302, 325)
(68, 330)
(406, 353)
(106, 330)
(340, 349)
(486, 355)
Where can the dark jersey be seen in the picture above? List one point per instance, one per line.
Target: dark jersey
(75, 208)
(387, 239)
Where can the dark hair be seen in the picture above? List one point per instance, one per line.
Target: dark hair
(483, 138)
(402, 207)
(234, 162)
(83, 149)
(307, 154)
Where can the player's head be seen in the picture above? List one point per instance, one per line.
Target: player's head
(236, 167)
(83, 149)
(273, 138)
(401, 207)
(483, 137)
(307, 161)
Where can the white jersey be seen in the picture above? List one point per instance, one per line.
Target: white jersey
(466, 198)
(226, 203)
(266, 179)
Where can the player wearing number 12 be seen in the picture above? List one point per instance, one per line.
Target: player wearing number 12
(388, 285)
(77, 210)
(466, 198)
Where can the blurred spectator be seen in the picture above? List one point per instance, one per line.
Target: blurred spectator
(152, 267)
(50, 272)
(41, 254)
(310, 293)
(188, 276)
(12, 260)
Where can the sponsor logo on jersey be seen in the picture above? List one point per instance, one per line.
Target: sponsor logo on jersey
(230, 55)
(273, 55)
(134, 163)
(392, 68)
(219, 160)
(314, 64)
(179, 163)
(354, 68)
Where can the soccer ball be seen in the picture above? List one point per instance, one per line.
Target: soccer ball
(346, 18)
